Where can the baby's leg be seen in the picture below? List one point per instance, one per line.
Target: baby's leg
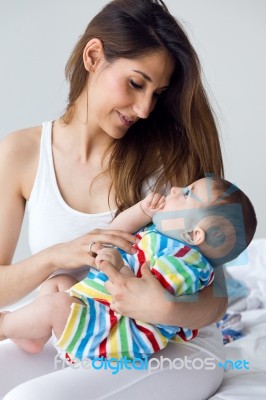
(30, 327)
(58, 283)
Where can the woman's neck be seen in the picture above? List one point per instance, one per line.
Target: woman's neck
(83, 141)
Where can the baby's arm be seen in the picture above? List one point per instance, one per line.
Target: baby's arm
(139, 215)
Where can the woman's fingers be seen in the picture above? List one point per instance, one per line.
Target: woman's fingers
(120, 239)
(79, 252)
(113, 274)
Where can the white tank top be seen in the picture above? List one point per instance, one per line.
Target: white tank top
(51, 219)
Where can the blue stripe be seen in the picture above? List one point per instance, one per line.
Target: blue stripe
(168, 331)
(142, 347)
(89, 329)
(102, 318)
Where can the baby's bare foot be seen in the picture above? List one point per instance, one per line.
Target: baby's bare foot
(33, 346)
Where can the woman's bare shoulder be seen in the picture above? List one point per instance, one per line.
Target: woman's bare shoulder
(19, 155)
(21, 146)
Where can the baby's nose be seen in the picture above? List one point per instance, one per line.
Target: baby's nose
(175, 190)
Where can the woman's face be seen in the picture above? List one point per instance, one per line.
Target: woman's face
(126, 90)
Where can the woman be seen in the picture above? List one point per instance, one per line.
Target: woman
(137, 118)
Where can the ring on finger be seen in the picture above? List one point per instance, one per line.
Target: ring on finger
(90, 250)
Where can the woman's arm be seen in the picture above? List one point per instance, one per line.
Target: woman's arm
(139, 215)
(145, 299)
(17, 280)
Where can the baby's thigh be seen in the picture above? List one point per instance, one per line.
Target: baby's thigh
(58, 283)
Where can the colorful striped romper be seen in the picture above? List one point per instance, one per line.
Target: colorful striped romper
(94, 330)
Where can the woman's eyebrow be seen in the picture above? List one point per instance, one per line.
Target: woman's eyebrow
(148, 78)
(145, 76)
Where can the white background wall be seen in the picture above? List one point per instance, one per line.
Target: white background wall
(36, 38)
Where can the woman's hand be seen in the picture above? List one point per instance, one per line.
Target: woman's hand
(145, 299)
(77, 253)
(139, 298)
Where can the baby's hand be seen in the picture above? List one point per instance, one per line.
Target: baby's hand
(152, 203)
(111, 255)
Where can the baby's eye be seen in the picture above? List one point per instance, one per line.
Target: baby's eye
(186, 192)
(134, 84)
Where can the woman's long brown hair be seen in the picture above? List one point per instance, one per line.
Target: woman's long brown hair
(179, 141)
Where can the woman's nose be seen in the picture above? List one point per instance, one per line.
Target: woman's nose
(143, 107)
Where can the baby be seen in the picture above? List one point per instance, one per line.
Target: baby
(205, 224)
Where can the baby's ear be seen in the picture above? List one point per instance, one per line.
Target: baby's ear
(198, 235)
(195, 237)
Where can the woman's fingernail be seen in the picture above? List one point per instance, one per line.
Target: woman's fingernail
(133, 250)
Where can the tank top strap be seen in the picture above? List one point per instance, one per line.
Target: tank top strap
(44, 169)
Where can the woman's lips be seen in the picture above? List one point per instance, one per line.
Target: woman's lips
(125, 121)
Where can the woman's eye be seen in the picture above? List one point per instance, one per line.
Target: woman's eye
(134, 84)
(186, 192)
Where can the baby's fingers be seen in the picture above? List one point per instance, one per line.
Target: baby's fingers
(157, 200)
(161, 202)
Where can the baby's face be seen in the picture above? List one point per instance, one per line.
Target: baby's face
(196, 195)
(181, 205)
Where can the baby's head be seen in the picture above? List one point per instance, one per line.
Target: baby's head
(211, 214)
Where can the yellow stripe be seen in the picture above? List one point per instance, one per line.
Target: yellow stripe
(70, 325)
(112, 341)
(90, 292)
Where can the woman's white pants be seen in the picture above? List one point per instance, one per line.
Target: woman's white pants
(180, 371)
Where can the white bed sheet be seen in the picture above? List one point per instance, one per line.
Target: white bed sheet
(246, 384)
(249, 384)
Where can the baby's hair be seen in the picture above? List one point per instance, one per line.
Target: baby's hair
(232, 221)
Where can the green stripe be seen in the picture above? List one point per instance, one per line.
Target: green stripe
(196, 260)
(123, 333)
(96, 285)
(185, 278)
(153, 247)
(79, 330)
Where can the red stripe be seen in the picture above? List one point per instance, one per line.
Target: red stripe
(102, 347)
(211, 278)
(163, 281)
(141, 260)
(105, 302)
(182, 252)
(182, 334)
(150, 336)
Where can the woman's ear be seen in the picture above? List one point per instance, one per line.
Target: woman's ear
(93, 54)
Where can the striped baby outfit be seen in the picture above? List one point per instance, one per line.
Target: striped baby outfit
(94, 330)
